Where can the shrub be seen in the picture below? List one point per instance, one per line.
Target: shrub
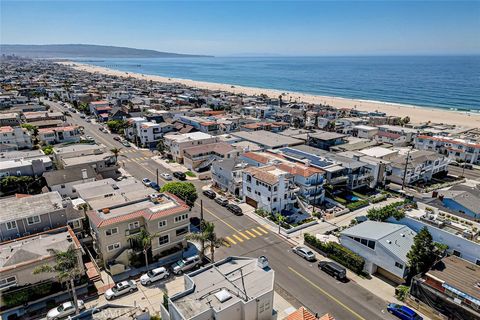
(337, 252)
(394, 209)
(357, 205)
(378, 199)
(48, 150)
(190, 174)
(340, 200)
(401, 292)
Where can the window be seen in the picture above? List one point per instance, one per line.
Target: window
(75, 224)
(398, 265)
(133, 225)
(371, 244)
(11, 225)
(8, 282)
(162, 223)
(249, 189)
(163, 240)
(181, 217)
(112, 231)
(275, 188)
(114, 246)
(33, 220)
(181, 231)
(62, 186)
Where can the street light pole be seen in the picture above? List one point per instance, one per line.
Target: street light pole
(405, 169)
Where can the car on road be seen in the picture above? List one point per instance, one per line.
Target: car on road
(117, 138)
(209, 194)
(90, 138)
(104, 130)
(221, 201)
(154, 185)
(68, 114)
(88, 120)
(154, 275)
(180, 175)
(454, 163)
(64, 310)
(166, 176)
(82, 116)
(305, 253)
(236, 210)
(146, 182)
(120, 289)
(403, 312)
(185, 264)
(333, 269)
(126, 143)
(468, 166)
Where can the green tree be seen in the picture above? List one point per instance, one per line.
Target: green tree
(280, 220)
(117, 126)
(161, 147)
(422, 254)
(12, 184)
(184, 190)
(66, 267)
(48, 150)
(144, 239)
(116, 152)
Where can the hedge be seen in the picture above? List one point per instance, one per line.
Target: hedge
(338, 253)
(357, 205)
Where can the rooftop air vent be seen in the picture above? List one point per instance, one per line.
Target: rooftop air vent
(223, 295)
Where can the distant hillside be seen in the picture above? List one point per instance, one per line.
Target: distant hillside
(84, 51)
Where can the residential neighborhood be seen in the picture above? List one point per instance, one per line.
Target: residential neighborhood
(149, 200)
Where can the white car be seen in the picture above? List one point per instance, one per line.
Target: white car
(146, 182)
(166, 176)
(305, 253)
(64, 310)
(185, 264)
(154, 275)
(121, 288)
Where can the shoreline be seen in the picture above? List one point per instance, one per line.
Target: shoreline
(417, 114)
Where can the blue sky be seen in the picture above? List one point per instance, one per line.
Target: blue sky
(251, 27)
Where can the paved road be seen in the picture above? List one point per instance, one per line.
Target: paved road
(299, 281)
(473, 174)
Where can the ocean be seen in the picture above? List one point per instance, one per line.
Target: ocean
(450, 82)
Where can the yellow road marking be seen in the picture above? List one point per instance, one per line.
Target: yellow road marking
(327, 294)
(250, 234)
(263, 230)
(243, 235)
(238, 238)
(255, 230)
(230, 240)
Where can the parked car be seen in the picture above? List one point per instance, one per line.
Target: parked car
(155, 186)
(180, 175)
(333, 269)
(82, 116)
(403, 312)
(221, 201)
(305, 253)
(120, 289)
(87, 137)
(468, 166)
(236, 210)
(146, 182)
(64, 310)
(88, 120)
(117, 138)
(166, 176)
(454, 163)
(126, 143)
(154, 275)
(210, 194)
(185, 264)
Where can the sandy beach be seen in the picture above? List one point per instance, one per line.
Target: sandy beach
(416, 114)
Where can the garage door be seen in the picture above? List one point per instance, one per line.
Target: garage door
(388, 275)
(251, 202)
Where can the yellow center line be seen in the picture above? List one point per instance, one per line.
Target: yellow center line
(238, 238)
(327, 294)
(250, 234)
(255, 230)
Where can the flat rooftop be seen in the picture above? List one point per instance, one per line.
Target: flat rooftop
(188, 136)
(268, 139)
(80, 147)
(73, 161)
(223, 277)
(18, 208)
(38, 246)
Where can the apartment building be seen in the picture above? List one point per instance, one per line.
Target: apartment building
(419, 164)
(395, 135)
(122, 209)
(56, 135)
(244, 291)
(177, 143)
(455, 148)
(42, 116)
(77, 150)
(20, 257)
(200, 158)
(364, 131)
(26, 215)
(227, 175)
(11, 119)
(17, 137)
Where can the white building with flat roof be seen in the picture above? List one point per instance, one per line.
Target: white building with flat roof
(177, 143)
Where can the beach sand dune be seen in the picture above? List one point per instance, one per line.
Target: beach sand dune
(416, 114)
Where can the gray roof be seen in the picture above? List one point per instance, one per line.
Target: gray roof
(68, 175)
(19, 208)
(415, 158)
(466, 196)
(267, 138)
(325, 135)
(396, 238)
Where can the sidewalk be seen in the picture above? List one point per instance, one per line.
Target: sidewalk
(172, 166)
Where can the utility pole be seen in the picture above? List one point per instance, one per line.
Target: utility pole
(201, 210)
(405, 169)
(157, 175)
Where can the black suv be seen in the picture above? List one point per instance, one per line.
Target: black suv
(333, 269)
(180, 175)
(236, 210)
(210, 194)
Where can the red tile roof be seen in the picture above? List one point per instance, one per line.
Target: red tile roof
(304, 314)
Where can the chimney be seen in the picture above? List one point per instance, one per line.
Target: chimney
(84, 174)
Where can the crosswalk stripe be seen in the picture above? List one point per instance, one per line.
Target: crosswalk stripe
(255, 230)
(230, 240)
(263, 230)
(238, 238)
(250, 234)
(243, 235)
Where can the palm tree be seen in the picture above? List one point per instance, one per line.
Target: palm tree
(208, 239)
(280, 219)
(205, 229)
(145, 239)
(116, 152)
(67, 269)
